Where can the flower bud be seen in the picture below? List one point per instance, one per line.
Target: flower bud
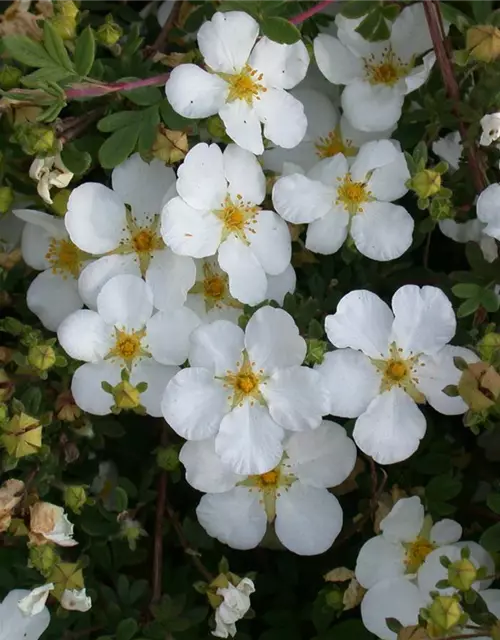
(426, 183)
(462, 574)
(489, 345)
(170, 146)
(42, 357)
(131, 530)
(479, 386)
(168, 458)
(66, 408)
(315, 351)
(65, 26)
(334, 599)
(22, 435)
(483, 42)
(44, 140)
(6, 199)
(75, 497)
(43, 558)
(67, 8)
(445, 612)
(9, 77)
(126, 395)
(109, 33)
(60, 202)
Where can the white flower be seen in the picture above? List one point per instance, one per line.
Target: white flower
(17, 626)
(123, 223)
(235, 604)
(217, 211)
(46, 247)
(387, 362)
(377, 75)
(48, 522)
(327, 134)
(471, 231)
(293, 496)
(49, 172)
(11, 228)
(76, 600)
(450, 149)
(124, 334)
(490, 124)
(488, 210)
(211, 300)
(34, 602)
(407, 538)
(339, 201)
(244, 84)
(245, 388)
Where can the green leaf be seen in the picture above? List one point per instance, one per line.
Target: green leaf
(54, 45)
(126, 629)
(172, 119)
(84, 52)
(144, 96)
(51, 112)
(116, 121)
(357, 8)
(149, 129)
(468, 307)
(280, 30)
(374, 27)
(119, 146)
(482, 10)
(443, 487)
(50, 72)
(78, 162)
(454, 16)
(489, 300)
(466, 290)
(493, 502)
(390, 11)
(27, 51)
(118, 498)
(490, 539)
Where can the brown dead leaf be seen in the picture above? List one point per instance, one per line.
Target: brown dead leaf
(340, 574)
(413, 633)
(350, 483)
(353, 595)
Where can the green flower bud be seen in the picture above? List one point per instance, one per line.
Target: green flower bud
(35, 139)
(43, 558)
(445, 612)
(109, 33)
(6, 199)
(462, 574)
(65, 26)
(483, 42)
(167, 458)
(44, 141)
(126, 395)
(9, 77)
(42, 357)
(75, 497)
(316, 350)
(22, 435)
(426, 183)
(67, 8)
(334, 599)
(489, 345)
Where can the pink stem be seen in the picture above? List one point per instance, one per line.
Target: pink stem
(95, 90)
(310, 12)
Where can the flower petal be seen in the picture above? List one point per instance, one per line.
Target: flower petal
(335, 61)
(242, 125)
(53, 298)
(200, 178)
(388, 182)
(273, 341)
(278, 286)
(372, 107)
(329, 171)
(168, 334)
(391, 428)
(194, 93)
(194, 404)
(157, 377)
(227, 39)
(296, 398)
(405, 520)
(299, 199)
(35, 241)
(244, 175)
(217, 347)
(424, 320)
(85, 336)
(236, 517)
(351, 380)
(372, 156)
(283, 117)
(327, 234)
(283, 65)
(488, 210)
(205, 471)
(95, 218)
(270, 242)
(249, 441)
(362, 321)
(95, 275)
(15, 624)
(86, 387)
(410, 34)
(322, 115)
(323, 457)
(446, 531)
(170, 277)
(379, 560)
(469, 231)
(419, 74)
(247, 278)
(307, 519)
(126, 302)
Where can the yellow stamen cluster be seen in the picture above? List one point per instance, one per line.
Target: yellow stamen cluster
(352, 194)
(237, 217)
(128, 346)
(388, 69)
(332, 144)
(245, 85)
(398, 371)
(416, 552)
(244, 384)
(142, 239)
(65, 258)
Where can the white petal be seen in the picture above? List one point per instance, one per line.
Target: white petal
(410, 34)
(397, 598)
(492, 599)
(303, 157)
(51, 224)
(424, 320)
(388, 182)
(85, 336)
(126, 302)
(164, 11)
(53, 298)
(307, 519)
(327, 234)
(469, 231)
(283, 117)
(439, 371)
(170, 277)
(87, 389)
(35, 243)
(296, 398)
(405, 520)
(432, 571)
(249, 441)
(157, 377)
(200, 178)
(489, 248)
(383, 231)
(236, 517)
(188, 231)
(226, 40)
(446, 532)
(247, 278)
(351, 380)
(374, 155)
(449, 148)
(358, 138)
(335, 61)
(217, 347)
(142, 185)
(270, 242)
(76, 600)
(95, 218)
(372, 107)
(95, 275)
(323, 457)
(205, 471)
(283, 65)
(419, 74)
(346, 31)
(278, 286)
(34, 602)
(362, 321)
(299, 199)
(488, 210)
(194, 93)
(391, 428)
(244, 175)
(273, 341)
(481, 558)
(379, 560)
(168, 334)
(194, 403)
(15, 625)
(11, 229)
(322, 115)
(242, 125)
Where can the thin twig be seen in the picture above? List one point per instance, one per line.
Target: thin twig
(427, 249)
(96, 90)
(71, 128)
(159, 518)
(160, 41)
(311, 12)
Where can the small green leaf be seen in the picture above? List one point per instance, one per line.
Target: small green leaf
(374, 27)
(50, 72)
(119, 146)
(144, 96)
(119, 120)
(78, 162)
(490, 300)
(172, 119)
(280, 30)
(126, 629)
(27, 51)
(149, 128)
(468, 307)
(54, 45)
(490, 539)
(454, 16)
(466, 290)
(390, 11)
(85, 52)
(357, 8)
(493, 502)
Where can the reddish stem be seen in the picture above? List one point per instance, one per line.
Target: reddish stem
(96, 90)
(310, 12)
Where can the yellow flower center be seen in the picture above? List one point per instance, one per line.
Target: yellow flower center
(386, 71)
(416, 552)
(144, 240)
(352, 194)
(401, 372)
(64, 257)
(245, 85)
(266, 481)
(128, 346)
(332, 144)
(270, 477)
(244, 384)
(236, 217)
(141, 240)
(396, 370)
(214, 287)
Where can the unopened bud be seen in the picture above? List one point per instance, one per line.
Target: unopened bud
(170, 146)
(316, 350)
(75, 497)
(6, 199)
(462, 574)
(22, 435)
(445, 612)
(126, 395)
(43, 558)
(42, 357)
(426, 183)
(167, 458)
(66, 408)
(109, 33)
(67, 8)
(479, 386)
(131, 530)
(334, 599)
(489, 345)
(9, 77)
(43, 140)
(60, 202)
(483, 42)
(65, 26)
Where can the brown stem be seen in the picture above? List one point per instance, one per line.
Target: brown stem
(311, 12)
(427, 249)
(160, 516)
(443, 56)
(71, 128)
(160, 41)
(96, 90)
